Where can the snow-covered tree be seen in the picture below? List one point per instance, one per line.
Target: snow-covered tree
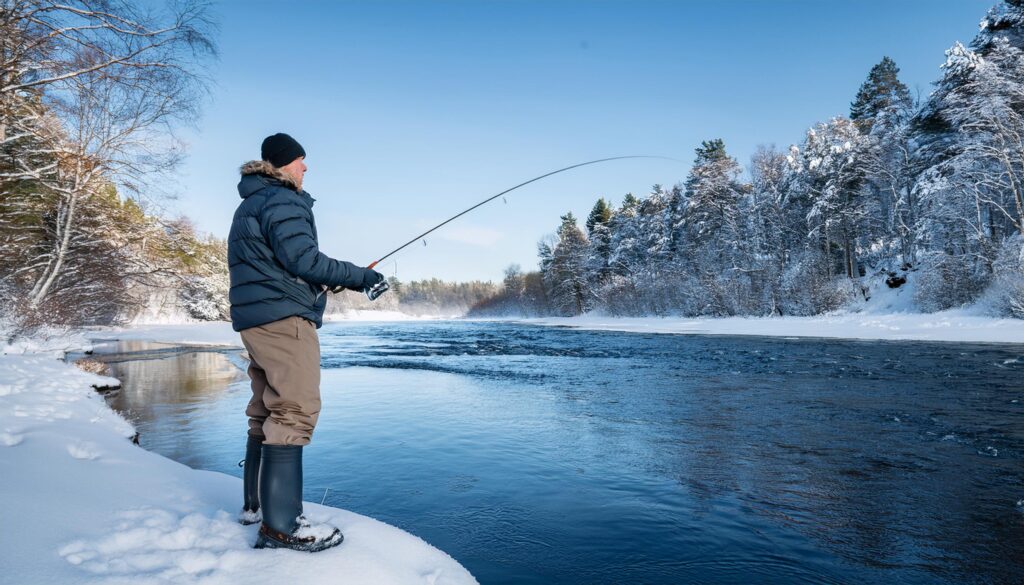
(599, 249)
(88, 95)
(713, 192)
(832, 175)
(626, 247)
(932, 189)
(971, 162)
(715, 244)
(881, 94)
(774, 227)
(882, 111)
(565, 273)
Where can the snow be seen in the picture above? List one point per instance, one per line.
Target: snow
(51, 340)
(208, 333)
(953, 325)
(82, 504)
(382, 315)
(888, 314)
(213, 332)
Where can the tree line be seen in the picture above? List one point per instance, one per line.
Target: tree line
(928, 191)
(91, 92)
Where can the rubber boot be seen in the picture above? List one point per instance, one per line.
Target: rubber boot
(250, 482)
(281, 499)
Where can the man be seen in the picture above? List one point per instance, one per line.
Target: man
(278, 279)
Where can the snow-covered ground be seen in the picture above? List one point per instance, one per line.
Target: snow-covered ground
(82, 504)
(888, 314)
(944, 326)
(209, 333)
(363, 315)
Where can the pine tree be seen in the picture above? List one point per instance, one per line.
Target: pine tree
(881, 93)
(600, 214)
(626, 253)
(713, 190)
(882, 111)
(1005, 20)
(565, 273)
(600, 247)
(714, 233)
(775, 227)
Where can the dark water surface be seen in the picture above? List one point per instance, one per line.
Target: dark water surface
(543, 455)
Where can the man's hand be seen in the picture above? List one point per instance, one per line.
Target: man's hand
(370, 279)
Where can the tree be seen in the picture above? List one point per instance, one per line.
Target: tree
(565, 273)
(882, 111)
(881, 93)
(599, 215)
(832, 175)
(713, 190)
(600, 246)
(714, 242)
(775, 227)
(626, 254)
(89, 95)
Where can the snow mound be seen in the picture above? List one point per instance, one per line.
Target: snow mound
(9, 439)
(83, 450)
(884, 300)
(112, 512)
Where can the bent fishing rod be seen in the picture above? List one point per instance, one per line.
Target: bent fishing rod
(380, 288)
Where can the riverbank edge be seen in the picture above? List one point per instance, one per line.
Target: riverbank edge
(96, 491)
(948, 326)
(955, 326)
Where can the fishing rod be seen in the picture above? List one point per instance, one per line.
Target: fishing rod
(383, 286)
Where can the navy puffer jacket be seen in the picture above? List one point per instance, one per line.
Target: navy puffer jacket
(277, 269)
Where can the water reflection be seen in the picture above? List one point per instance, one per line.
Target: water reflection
(156, 377)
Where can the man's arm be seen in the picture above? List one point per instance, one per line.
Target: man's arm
(289, 231)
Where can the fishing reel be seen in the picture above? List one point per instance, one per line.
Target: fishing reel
(374, 292)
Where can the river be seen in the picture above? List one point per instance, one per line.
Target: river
(546, 455)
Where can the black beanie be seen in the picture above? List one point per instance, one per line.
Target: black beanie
(281, 149)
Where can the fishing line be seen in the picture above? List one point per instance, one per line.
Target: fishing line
(493, 197)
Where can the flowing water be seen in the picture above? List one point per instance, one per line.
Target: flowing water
(545, 455)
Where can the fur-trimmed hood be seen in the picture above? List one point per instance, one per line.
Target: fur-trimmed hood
(264, 168)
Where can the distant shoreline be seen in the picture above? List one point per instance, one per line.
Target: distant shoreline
(946, 326)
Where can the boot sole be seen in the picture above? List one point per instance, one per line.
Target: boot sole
(264, 541)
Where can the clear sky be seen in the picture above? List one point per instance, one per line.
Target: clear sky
(412, 111)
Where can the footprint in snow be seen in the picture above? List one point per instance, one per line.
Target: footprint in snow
(10, 439)
(83, 450)
(165, 546)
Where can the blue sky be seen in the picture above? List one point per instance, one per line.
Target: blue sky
(412, 111)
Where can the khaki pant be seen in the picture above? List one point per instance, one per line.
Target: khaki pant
(284, 366)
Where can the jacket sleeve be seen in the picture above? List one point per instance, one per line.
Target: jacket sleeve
(288, 227)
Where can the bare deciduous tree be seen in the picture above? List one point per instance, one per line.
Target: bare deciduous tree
(90, 93)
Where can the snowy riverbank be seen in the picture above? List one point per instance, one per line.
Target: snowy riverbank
(944, 326)
(87, 506)
(955, 325)
(82, 504)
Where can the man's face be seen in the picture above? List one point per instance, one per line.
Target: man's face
(296, 169)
